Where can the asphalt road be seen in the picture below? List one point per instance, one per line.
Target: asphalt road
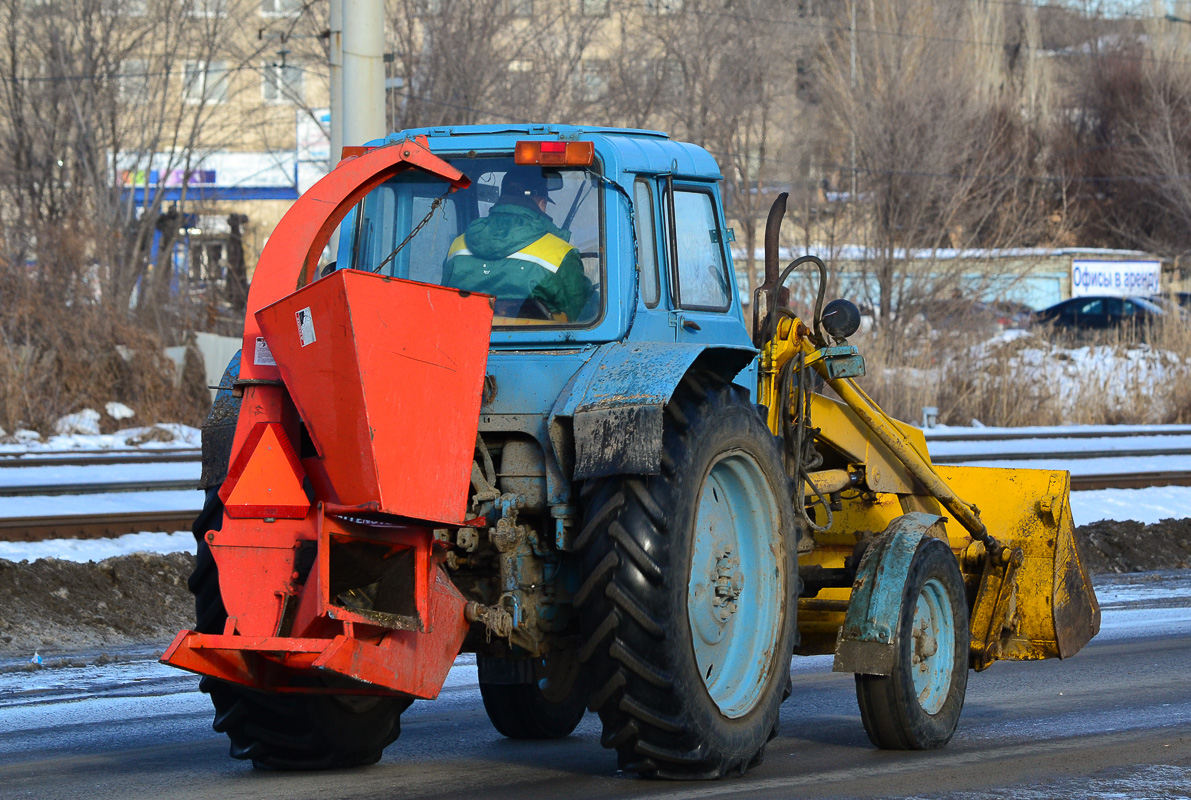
(1115, 721)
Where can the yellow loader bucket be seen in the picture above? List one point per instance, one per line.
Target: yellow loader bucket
(1041, 604)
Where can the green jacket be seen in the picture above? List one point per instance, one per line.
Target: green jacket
(516, 253)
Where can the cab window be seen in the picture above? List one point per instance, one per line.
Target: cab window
(702, 268)
(647, 251)
(528, 236)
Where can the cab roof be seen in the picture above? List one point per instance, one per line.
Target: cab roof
(628, 149)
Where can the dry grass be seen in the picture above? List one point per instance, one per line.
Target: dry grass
(1046, 378)
(57, 359)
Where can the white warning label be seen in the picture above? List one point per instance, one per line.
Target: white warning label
(305, 326)
(263, 357)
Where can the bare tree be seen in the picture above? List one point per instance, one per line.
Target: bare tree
(107, 105)
(945, 155)
(1133, 130)
(718, 75)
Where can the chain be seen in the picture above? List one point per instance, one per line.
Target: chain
(417, 229)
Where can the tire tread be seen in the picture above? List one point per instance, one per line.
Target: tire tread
(644, 713)
(281, 731)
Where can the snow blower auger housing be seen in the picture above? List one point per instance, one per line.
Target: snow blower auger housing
(354, 441)
(518, 417)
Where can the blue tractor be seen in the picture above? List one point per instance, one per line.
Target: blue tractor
(645, 479)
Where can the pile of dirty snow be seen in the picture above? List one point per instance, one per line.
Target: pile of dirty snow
(1130, 546)
(53, 606)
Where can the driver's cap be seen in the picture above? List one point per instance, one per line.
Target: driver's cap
(525, 182)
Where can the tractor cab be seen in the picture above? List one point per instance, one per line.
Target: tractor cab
(525, 234)
(582, 235)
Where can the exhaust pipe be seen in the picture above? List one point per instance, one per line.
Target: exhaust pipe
(765, 297)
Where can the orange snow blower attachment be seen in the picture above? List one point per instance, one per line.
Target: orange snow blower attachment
(387, 376)
(355, 441)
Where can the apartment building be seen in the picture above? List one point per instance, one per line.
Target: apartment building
(242, 87)
(250, 78)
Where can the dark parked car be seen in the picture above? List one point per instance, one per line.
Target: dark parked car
(1100, 312)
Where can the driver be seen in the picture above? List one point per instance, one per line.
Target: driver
(518, 253)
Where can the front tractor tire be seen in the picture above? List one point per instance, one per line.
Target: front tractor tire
(689, 600)
(284, 731)
(917, 707)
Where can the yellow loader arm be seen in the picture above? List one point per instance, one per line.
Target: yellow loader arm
(1010, 529)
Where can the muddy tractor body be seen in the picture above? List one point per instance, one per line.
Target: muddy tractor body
(573, 456)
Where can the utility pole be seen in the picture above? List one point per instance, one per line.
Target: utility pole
(357, 76)
(357, 73)
(363, 71)
(336, 58)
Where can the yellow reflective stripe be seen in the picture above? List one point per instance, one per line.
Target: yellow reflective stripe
(547, 252)
(456, 246)
(541, 262)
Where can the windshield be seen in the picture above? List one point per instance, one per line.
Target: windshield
(529, 236)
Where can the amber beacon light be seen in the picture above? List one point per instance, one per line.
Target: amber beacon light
(555, 154)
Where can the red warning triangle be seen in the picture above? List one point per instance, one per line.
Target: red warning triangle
(266, 480)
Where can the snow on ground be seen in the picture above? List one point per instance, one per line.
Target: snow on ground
(941, 449)
(167, 436)
(1065, 383)
(1147, 505)
(103, 473)
(109, 503)
(944, 432)
(98, 549)
(1116, 372)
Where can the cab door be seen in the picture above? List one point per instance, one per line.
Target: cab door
(652, 322)
(701, 287)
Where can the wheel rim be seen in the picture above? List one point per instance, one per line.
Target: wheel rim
(932, 648)
(736, 592)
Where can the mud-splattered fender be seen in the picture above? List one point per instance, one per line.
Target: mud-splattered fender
(615, 401)
(867, 642)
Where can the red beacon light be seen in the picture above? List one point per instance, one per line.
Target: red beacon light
(554, 154)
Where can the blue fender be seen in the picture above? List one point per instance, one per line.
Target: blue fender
(867, 642)
(615, 403)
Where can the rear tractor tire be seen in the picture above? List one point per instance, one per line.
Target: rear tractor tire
(918, 706)
(284, 731)
(689, 600)
(549, 706)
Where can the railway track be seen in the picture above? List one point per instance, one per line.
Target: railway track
(1140, 480)
(92, 525)
(59, 489)
(73, 458)
(1061, 455)
(1007, 435)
